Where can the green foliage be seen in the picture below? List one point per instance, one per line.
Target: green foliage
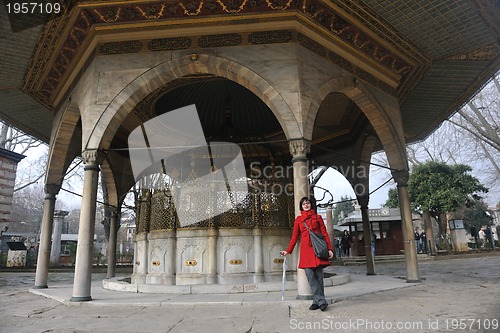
(346, 205)
(473, 213)
(72, 249)
(393, 199)
(440, 188)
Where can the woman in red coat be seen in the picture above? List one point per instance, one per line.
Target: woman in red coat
(312, 265)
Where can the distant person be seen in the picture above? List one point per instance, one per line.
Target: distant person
(423, 242)
(336, 243)
(473, 233)
(417, 239)
(308, 261)
(346, 243)
(482, 237)
(374, 237)
(488, 235)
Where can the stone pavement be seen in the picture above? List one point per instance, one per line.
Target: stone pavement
(457, 294)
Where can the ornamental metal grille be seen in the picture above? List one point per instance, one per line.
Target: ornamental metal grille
(162, 211)
(274, 207)
(145, 212)
(268, 204)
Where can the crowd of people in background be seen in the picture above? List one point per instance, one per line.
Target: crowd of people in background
(420, 241)
(343, 245)
(487, 237)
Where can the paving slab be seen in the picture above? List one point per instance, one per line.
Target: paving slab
(457, 294)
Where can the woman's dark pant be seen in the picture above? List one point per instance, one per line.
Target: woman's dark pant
(315, 278)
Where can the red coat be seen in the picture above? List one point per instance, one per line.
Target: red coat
(315, 223)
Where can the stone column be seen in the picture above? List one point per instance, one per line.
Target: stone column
(367, 236)
(212, 237)
(42, 266)
(259, 262)
(329, 225)
(412, 272)
(429, 234)
(170, 260)
(55, 251)
(83, 264)
(212, 255)
(298, 150)
(141, 257)
(113, 231)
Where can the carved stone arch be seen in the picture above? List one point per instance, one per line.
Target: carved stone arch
(65, 143)
(384, 126)
(113, 195)
(367, 148)
(160, 75)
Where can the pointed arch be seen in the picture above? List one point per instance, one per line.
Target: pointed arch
(160, 75)
(65, 143)
(386, 127)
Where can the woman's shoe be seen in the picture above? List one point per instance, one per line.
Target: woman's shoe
(314, 306)
(323, 307)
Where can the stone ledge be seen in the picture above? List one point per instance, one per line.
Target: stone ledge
(118, 284)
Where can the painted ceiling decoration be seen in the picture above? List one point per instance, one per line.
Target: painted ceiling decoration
(433, 55)
(88, 16)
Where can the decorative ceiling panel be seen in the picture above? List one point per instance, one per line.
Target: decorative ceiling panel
(439, 27)
(451, 47)
(442, 88)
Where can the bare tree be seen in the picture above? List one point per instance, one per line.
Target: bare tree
(14, 140)
(21, 143)
(479, 124)
(471, 136)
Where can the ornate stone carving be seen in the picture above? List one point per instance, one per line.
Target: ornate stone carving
(401, 177)
(338, 60)
(270, 37)
(299, 147)
(93, 157)
(51, 190)
(311, 45)
(220, 40)
(177, 43)
(131, 46)
(49, 53)
(486, 52)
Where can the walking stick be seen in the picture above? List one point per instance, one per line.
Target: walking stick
(283, 281)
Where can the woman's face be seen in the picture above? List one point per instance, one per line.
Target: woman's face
(306, 205)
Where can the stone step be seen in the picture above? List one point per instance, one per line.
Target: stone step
(361, 260)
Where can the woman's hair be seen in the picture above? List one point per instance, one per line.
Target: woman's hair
(306, 199)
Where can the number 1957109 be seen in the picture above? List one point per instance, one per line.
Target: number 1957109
(33, 8)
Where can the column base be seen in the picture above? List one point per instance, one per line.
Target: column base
(305, 297)
(413, 281)
(371, 273)
(259, 277)
(80, 299)
(40, 287)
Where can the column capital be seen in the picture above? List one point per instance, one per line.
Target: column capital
(113, 212)
(363, 201)
(299, 148)
(401, 177)
(93, 157)
(51, 190)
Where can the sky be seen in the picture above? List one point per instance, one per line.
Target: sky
(338, 186)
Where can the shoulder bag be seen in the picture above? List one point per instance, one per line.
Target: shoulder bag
(318, 243)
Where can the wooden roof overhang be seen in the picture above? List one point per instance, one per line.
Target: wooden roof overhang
(432, 55)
